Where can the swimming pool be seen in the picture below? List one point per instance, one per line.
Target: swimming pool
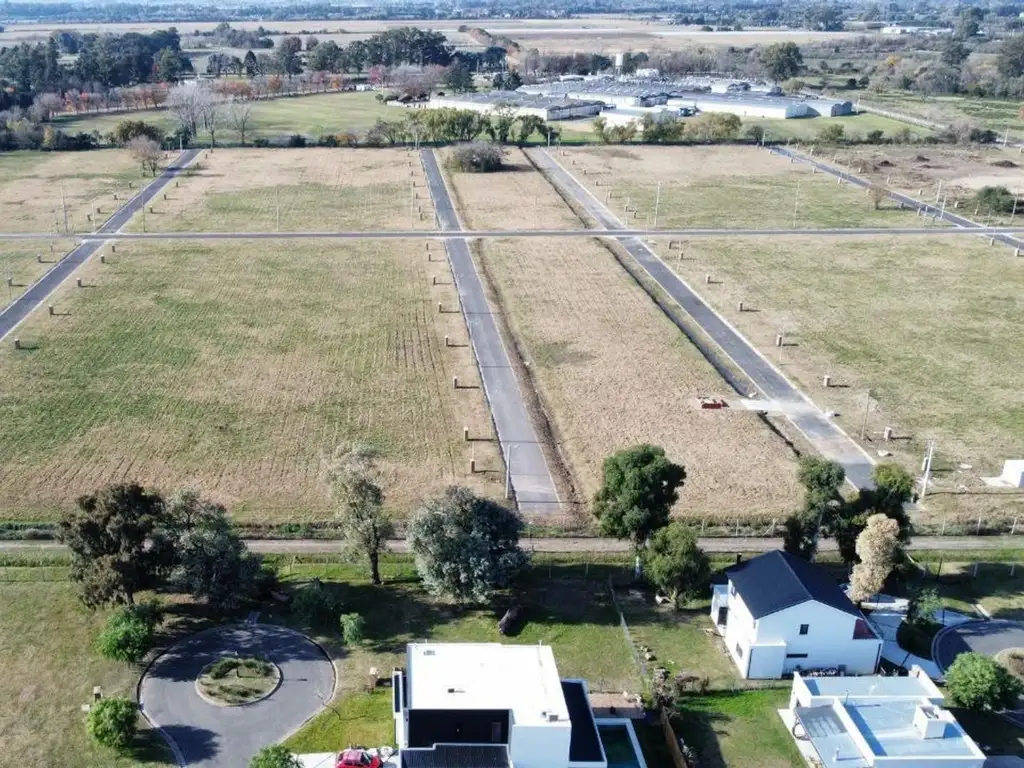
(620, 744)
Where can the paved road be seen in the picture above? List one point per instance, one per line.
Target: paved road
(472, 234)
(988, 637)
(36, 294)
(831, 441)
(207, 736)
(531, 480)
(938, 212)
(588, 544)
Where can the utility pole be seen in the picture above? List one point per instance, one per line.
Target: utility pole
(142, 197)
(277, 198)
(1014, 211)
(796, 201)
(867, 409)
(64, 208)
(657, 206)
(926, 467)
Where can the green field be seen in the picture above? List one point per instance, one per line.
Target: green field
(995, 114)
(855, 127)
(240, 367)
(316, 115)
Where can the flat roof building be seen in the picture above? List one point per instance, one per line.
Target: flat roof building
(868, 722)
(545, 107)
(488, 705)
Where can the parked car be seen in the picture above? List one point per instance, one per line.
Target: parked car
(358, 758)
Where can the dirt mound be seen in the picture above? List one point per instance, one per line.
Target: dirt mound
(885, 164)
(1003, 164)
(920, 159)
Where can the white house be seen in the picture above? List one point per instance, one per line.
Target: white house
(874, 722)
(781, 614)
(486, 705)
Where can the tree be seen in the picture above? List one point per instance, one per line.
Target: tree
(978, 682)
(827, 18)
(923, 606)
(821, 480)
(182, 102)
(893, 488)
(211, 560)
(675, 564)
(239, 116)
(117, 544)
(167, 65)
(831, 134)
(877, 547)
(146, 153)
(126, 130)
(954, 52)
(458, 78)
(713, 126)
(1010, 61)
(466, 547)
(208, 110)
(352, 626)
(365, 524)
(286, 57)
(781, 61)
(275, 757)
(326, 57)
(251, 67)
(638, 488)
(129, 633)
(477, 157)
(112, 722)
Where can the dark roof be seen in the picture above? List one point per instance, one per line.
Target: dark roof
(584, 744)
(457, 756)
(778, 580)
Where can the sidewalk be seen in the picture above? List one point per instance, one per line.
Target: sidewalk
(887, 622)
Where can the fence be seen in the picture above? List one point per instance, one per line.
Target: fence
(673, 742)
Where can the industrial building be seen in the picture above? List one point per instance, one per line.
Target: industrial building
(605, 91)
(545, 107)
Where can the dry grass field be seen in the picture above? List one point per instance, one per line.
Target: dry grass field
(918, 171)
(19, 261)
(930, 325)
(31, 184)
(243, 190)
(239, 367)
(729, 187)
(611, 368)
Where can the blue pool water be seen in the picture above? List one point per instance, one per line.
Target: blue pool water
(618, 747)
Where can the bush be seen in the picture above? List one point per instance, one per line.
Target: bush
(129, 633)
(874, 137)
(995, 200)
(831, 134)
(352, 625)
(314, 607)
(274, 757)
(477, 157)
(222, 668)
(260, 142)
(112, 722)
(296, 141)
(330, 140)
(977, 682)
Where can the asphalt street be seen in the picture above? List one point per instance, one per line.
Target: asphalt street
(531, 480)
(204, 735)
(821, 432)
(583, 544)
(36, 294)
(936, 211)
(987, 637)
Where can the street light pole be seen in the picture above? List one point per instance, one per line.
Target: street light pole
(657, 206)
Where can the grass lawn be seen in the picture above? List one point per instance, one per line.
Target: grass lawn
(36, 187)
(48, 667)
(314, 116)
(240, 368)
(994, 588)
(854, 126)
(19, 261)
(267, 190)
(737, 728)
(994, 114)
(715, 187)
(355, 719)
(863, 311)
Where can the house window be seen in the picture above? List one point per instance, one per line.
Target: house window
(804, 628)
(739, 650)
(796, 655)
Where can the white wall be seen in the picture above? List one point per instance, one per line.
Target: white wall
(766, 661)
(739, 630)
(829, 640)
(540, 746)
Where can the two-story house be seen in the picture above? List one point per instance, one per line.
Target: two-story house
(780, 614)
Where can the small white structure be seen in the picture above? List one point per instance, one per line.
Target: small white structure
(1012, 476)
(635, 116)
(488, 705)
(860, 722)
(781, 614)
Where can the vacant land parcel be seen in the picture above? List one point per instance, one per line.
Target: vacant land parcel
(930, 325)
(240, 367)
(58, 191)
(723, 187)
(267, 190)
(22, 262)
(612, 370)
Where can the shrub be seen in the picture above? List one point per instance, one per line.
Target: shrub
(112, 722)
(274, 757)
(260, 142)
(975, 681)
(129, 633)
(222, 668)
(314, 607)
(831, 134)
(477, 157)
(352, 625)
(874, 137)
(995, 199)
(296, 141)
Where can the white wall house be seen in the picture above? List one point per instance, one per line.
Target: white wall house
(780, 614)
(488, 705)
(877, 722)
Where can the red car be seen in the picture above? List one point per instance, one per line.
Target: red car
(357, 758)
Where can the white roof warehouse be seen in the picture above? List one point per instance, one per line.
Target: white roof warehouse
(546, 107)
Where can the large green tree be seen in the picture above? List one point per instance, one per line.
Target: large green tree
(118, 543)
(466, 547)
(822, 480)
(1010, 61)
(781, 61)
(893, 489)
(675, 564)
(976, 681)
(639, 485)
(365, 523)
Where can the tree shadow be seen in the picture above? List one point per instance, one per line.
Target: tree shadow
(196, 744)
(701, 728)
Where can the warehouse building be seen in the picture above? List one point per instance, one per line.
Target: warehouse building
(758, 105)
(545, 107)
(605, 91)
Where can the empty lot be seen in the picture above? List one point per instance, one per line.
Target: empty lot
(25, 261)
(733, 187)
(36, 188)
(239, 367)
(268, 190)
(611, 368)
(929, 325)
